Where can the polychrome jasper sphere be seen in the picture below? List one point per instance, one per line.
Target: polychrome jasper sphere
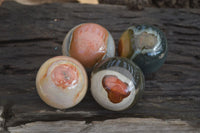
(145, 45)
(89, 43)
(61, 82)
(117, 83)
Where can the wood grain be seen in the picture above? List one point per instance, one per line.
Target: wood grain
(50, 127)
(29, 35)
(125, 125)
(1, 119)
(137, 4)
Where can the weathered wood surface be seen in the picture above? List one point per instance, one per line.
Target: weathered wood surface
(29, 35)
(1, 119)
(135, 4)
(121, 125)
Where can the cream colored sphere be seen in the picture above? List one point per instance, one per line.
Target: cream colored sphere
(61, 82)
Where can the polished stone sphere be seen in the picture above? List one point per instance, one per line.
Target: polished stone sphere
(145, 45)
(117, 83)
(61, 82)
(89, 43)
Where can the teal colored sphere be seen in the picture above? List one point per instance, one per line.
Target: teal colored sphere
(145, 45)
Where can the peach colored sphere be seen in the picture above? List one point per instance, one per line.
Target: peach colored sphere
(89, 43)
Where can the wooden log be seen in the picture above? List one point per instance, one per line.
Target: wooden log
(50, 127)
(132, 4)
(31, 35)
(1, 119)
(137, 4)
(125, 125)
